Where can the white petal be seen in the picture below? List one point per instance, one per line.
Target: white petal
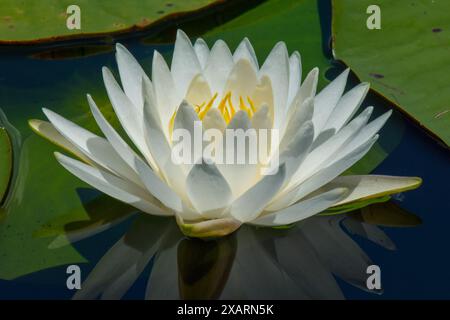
(49, 132)
(245, 51)
(307, 90)
(167, 97)
(327, 99)
(214, 120)
(199, 91)
(96, 148)
(371, 186)
(320, 178)
(187, 119)
(208, 190)
(366, 133)
(296, 151)
(202, 52)
(160, 148)
(218, 67)
(303, 209)
(346, 107)
(240, 120)
(250, 204)
(295, 75)
(185, 65)
(263, 96)
(302, 113)
(276, 67)
(240, 176)
(131, 74)
(241, 81)
(158, 188)
(328, 151)
(111, 185)
(116, 141)
(261, 119)
(130, 118)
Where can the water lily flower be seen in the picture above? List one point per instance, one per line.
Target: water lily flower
(319, 138)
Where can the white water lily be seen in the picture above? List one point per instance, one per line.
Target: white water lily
(319, 140)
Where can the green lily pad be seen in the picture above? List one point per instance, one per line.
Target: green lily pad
(405, 60)
(46, 20)
(40, 188)
(43, 191)
(6, 159)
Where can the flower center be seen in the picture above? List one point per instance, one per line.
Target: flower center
(226, 107)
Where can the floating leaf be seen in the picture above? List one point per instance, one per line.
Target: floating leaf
(103, 212)
(405, 60)
(46, 20)
(6, 160)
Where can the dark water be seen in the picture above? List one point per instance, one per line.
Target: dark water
(323, 257)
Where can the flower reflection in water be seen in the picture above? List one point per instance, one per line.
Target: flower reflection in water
(300, 262)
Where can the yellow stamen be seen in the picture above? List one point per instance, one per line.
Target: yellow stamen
(202, 113)
(172, 124)
(252, 104)
(226, 115)
(223, 102)
(242, 106)
(198, 107)
(232, 111)
(225, 107)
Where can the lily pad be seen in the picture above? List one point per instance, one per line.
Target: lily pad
(5, 162)
(405, 60)
(46, 20)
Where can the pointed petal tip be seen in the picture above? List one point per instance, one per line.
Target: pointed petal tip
(58, 155)
(182, 35)
(120, 47)
(106, 73)
(281, 44)
(297, 54)
(201, 41)
(368, 111)
(315, 71)
(48, 113)
(34, 124)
